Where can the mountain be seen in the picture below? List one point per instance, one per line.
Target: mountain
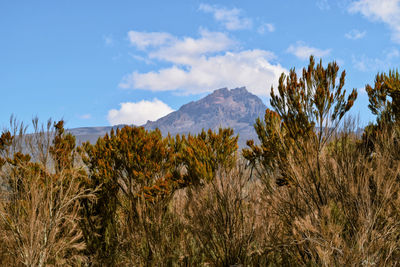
(91, 134)
(235, 108)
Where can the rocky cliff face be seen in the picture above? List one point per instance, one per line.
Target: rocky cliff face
(235, 108)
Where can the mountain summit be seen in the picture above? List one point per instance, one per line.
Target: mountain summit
(235, 108)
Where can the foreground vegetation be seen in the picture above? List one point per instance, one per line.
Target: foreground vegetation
(311, 192)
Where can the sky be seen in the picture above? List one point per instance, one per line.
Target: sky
(99, 63)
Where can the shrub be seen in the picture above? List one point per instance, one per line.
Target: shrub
(40, 208)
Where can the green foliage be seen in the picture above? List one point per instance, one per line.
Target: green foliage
(305, 108)
(99, 217)
(384, 97)
(132, 165)
(204, 153)
(384, 102)
(269, 133)
(63, 148)
(128, 165)
(313, 100)
(133, 159)
(5, 142)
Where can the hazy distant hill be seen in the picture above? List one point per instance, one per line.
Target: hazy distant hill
(91, 134)
(235, 108)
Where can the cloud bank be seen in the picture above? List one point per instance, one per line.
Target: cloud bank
(202, 64)
(138, 113)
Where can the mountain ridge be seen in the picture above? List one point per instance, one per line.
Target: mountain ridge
(235, 108)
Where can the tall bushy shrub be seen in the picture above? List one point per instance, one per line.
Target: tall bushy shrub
(306, 108)
(203, 154)
(220, 220)
(137, 172)
(384, 102)
(40, 206)
(128, 165)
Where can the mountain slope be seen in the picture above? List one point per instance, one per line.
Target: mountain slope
(235, 108)
(91, 134)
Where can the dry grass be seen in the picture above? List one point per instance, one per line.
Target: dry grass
(220, 219)
(341, 207)
(153, 238)
(39, 208)
(40, 220)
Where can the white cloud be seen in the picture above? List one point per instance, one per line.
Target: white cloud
(204, 64)
(143, 40)
(355, 34)
(141, 58)
(386, 11)
(249, 68)
(138, 113)
(302, 51)
(266, 27)
(188, 49)
(230, 18)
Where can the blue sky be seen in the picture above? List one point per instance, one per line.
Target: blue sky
(98, 63)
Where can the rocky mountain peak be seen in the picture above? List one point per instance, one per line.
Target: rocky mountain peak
(235, 108)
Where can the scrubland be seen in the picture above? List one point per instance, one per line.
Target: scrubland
(312, 191)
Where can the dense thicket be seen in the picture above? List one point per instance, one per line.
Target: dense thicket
(309, 192)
